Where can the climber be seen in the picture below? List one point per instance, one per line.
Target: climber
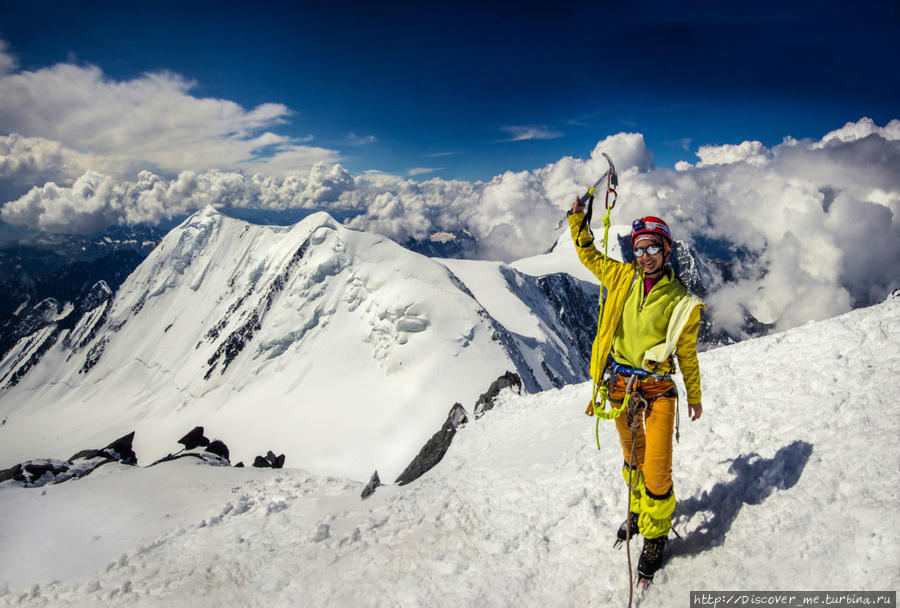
(649, 316)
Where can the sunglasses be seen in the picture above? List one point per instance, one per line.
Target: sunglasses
(650, 249)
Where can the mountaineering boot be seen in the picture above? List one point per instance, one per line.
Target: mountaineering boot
(623, 533)
(651, 558)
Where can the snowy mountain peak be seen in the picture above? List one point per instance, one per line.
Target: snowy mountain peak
(337, 347)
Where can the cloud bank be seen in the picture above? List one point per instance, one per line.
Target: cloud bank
(151, 122)
(817, 223)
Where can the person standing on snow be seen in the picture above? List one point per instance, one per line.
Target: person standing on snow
(649, 315)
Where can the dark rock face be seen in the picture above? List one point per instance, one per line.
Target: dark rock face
(575, 306)
(98, 294)
(435, 448)
(370, 488)
(44, 471)
(14, 472)
(218, 448)
(29, 301)
(433, 451)
(486, 400)
(215, 452)
(232, 346)
(119, 450)
(269, 461)
(194, 439)
(45, 314)
(33, 359)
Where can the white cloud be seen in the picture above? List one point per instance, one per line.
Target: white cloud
(29, 159)
(528, 132)
(864, 127)
(752, 152)
(95, 201)
(422, 171)
(7, 62)
(151, 121)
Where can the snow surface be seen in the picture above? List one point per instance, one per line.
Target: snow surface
(788, 481)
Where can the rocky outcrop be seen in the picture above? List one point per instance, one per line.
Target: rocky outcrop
(370, 488)
(270, 461)
(486, 400)
(214, 452)
(45, 471)
(435, 448)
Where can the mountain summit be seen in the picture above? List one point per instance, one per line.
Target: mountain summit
(340, 348)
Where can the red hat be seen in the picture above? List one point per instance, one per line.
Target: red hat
(650, 225)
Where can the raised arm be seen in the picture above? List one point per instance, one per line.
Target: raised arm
(588, 253)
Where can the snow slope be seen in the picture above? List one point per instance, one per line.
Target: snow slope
(339, 348)
(788, 481)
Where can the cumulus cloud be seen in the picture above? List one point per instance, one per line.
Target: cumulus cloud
(806, 214)
(815, 224)
(29, 159)
(95, 201)
(752, 152)
(864, 127)
(153, 121)
(528, 132)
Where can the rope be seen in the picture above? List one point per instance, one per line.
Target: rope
(677, 418)
(600, 387)
(636, 411)
(628, 522)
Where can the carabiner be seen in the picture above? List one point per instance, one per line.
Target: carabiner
(611, 205)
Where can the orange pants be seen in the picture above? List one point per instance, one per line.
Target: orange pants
(653, 437)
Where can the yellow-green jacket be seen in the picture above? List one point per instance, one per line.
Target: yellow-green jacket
(642, 332)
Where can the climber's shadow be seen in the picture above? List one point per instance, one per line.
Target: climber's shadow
(755, 479)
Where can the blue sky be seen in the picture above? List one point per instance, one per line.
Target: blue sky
(403, 86)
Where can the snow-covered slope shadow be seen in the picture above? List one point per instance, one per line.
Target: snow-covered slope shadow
(546, 322)
(756, 478)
